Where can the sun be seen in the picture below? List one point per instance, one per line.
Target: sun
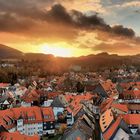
(56, 50)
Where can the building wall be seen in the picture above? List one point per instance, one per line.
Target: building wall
(121, 135)
(48, 128)
(70, 119)
(12, 129)
(47, 103)
(20, 127)
(35, 128)
(24, 104)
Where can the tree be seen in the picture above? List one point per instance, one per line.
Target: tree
(80, 87)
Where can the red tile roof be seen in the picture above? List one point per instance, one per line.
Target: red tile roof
(133, 93)
(108, 134)
(110, 88)
(78, 138)
(122, 107)
(27, 112)
(5, 116)
(106, 119)
(136, 94)
(75, 105)
(30, 96)
(132, 119)
(36, 113)
(69, 98)
(52, 95)
(17, 136)
(4, 85)
(48, 112)
(126, 86)
(106, 104)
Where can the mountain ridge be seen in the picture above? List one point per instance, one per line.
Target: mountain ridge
(11, 52)
(92, 60)
(8, 52)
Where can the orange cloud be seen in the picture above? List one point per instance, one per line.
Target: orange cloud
(35, 22)
(119, 48)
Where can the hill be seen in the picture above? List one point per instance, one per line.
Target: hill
(88, 63)
(8, 52)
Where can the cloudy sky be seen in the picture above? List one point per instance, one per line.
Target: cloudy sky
(71, 27)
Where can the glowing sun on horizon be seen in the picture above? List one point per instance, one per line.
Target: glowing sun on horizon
(56, 50)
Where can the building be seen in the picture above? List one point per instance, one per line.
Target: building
(119, 120)
(17, 136)
(29, 120)
(79, 131)
(107, 89)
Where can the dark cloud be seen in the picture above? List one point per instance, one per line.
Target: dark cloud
(89, 22)
(120, 30)
(28, 12)
(58, 14)
(79, 20)
(74, 18)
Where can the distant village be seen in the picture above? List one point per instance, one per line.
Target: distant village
(102, 105)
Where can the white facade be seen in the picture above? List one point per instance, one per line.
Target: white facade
(20, 126)
(34, 128)
(24, 104)
(12, 129)
(121, 135)
(51, 131)
(49, 89)
(31, 129)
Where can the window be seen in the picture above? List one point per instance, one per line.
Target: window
(105, 126)
(103, 119)
(103, 116)
(31, 118)
(51, 126)
(46, 116)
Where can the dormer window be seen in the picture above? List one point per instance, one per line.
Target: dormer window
(103, 119)
(46, 116)
(6, 123)
(10, 122)
(13, 121)
(105, 126)
(31, 118)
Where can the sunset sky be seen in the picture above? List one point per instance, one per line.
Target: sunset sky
(71, 27)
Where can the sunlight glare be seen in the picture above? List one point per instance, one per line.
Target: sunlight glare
(56, 50)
